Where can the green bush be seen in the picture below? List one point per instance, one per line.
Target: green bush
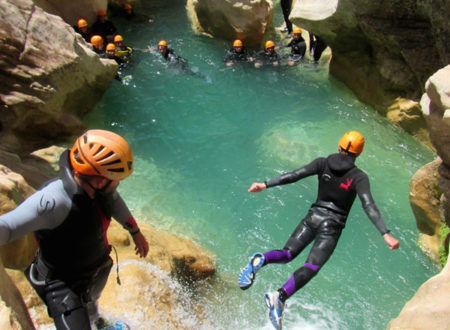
(443, 254)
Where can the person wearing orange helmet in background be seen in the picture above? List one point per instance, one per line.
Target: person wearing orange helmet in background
(268, 56)
(98, 45)
(104, 27)
(82, 28)
(340, 181)
(122, 51)
(237, 54)
(70, 216)
(298, 47)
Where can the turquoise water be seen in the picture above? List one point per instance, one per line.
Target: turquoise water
(201, 140)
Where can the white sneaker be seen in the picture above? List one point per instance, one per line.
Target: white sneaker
(276, 308)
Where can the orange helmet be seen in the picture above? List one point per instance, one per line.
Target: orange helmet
(238, 43)
(269, 44)
(162, 43)
(101, 12)
(297, 30)
(110, 47)
(103, 153)
(353, 142)
(127, 7)
(97, 41)
(118, 38)
(81, 23)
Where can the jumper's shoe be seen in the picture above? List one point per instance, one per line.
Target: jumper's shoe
(276, 308)
(248, 273)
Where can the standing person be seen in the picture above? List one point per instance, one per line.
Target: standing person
(286, 6)
(70, 216)
(104, 27)
(316, 46)
(298, 47)
(268, 56)
(340, 181)
(83, 29)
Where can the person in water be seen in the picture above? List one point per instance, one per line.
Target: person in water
(316, 46)
(83, 29)
(340, 181)
(70, 216)
(122, 51)
(98, 45)
(104, 27)
(237, 54)
(268, 56)
(298, 47)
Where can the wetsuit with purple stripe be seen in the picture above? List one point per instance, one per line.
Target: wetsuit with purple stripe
(340, 181)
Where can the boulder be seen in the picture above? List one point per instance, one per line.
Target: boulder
(425, 197)
(247, 20)
(381, 50)
(50, 76)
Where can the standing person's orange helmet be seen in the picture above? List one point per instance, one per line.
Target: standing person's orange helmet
(103, 153)
(353, 142)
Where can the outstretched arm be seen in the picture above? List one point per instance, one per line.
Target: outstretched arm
(371, 209)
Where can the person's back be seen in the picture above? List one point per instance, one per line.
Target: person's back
(103, 27)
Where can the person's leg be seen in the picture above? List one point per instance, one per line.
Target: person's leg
(324, 245)
(286, 9)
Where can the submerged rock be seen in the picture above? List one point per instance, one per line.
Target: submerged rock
(247, 20)
(50, 76)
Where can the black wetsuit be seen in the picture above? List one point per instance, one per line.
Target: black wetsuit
(86, 35)
(298, 48)
(340, 181)
(286, 6)
(316, 46)
(73, 262)
(265, 57)
(105, 29)
(233, 56)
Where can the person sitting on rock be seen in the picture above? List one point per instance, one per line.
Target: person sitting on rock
(298, 47)
(237, 54)
(103, 26)
(97, 44)
(268, 56)
(83, 29)
(122, 51)
(70, 216)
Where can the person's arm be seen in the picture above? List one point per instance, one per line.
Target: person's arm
(122, 214)
(312, 168)
(45, 209)
(371, 209)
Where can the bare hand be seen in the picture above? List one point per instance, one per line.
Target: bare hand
(391, 241)
(141, 245)
(257, 187)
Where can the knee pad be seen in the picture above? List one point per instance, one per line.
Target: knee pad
(69, 303)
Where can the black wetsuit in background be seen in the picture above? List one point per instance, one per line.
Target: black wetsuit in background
(340, 181)
(105, 29)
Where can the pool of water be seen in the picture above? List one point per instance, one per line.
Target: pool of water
(200, 140)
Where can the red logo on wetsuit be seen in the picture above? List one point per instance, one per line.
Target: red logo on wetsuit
(346, 186)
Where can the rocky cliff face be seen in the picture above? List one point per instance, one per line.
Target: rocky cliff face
(50, 76)
(390, 47)
(231, 19)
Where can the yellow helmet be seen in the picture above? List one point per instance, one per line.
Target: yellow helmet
(82, 23)
(103, 153)
(297, 30)
(269, 44)
(353, 142)
(238, 43)
(162, 43)
(97, 41)
(118, 38)
(110, 47)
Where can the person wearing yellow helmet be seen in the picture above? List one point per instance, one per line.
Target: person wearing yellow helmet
(70, 216)
(340, 181)
(104, 27)
(237, 54)
(122, 51)
(82, 28)
(298, 47)
(97, 44)
(268, 56)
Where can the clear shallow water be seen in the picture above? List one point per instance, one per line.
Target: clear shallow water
(199, 142)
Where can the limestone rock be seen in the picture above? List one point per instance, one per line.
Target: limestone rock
(381, 50)
(232, 19)
(429, 308)
(425, 202)
(50, 76)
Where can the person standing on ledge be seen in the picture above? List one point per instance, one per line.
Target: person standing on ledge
(70, 216)
(286, 6)
(340, 181)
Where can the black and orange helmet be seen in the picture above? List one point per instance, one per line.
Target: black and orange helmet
(353, 142)
(103, 153)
